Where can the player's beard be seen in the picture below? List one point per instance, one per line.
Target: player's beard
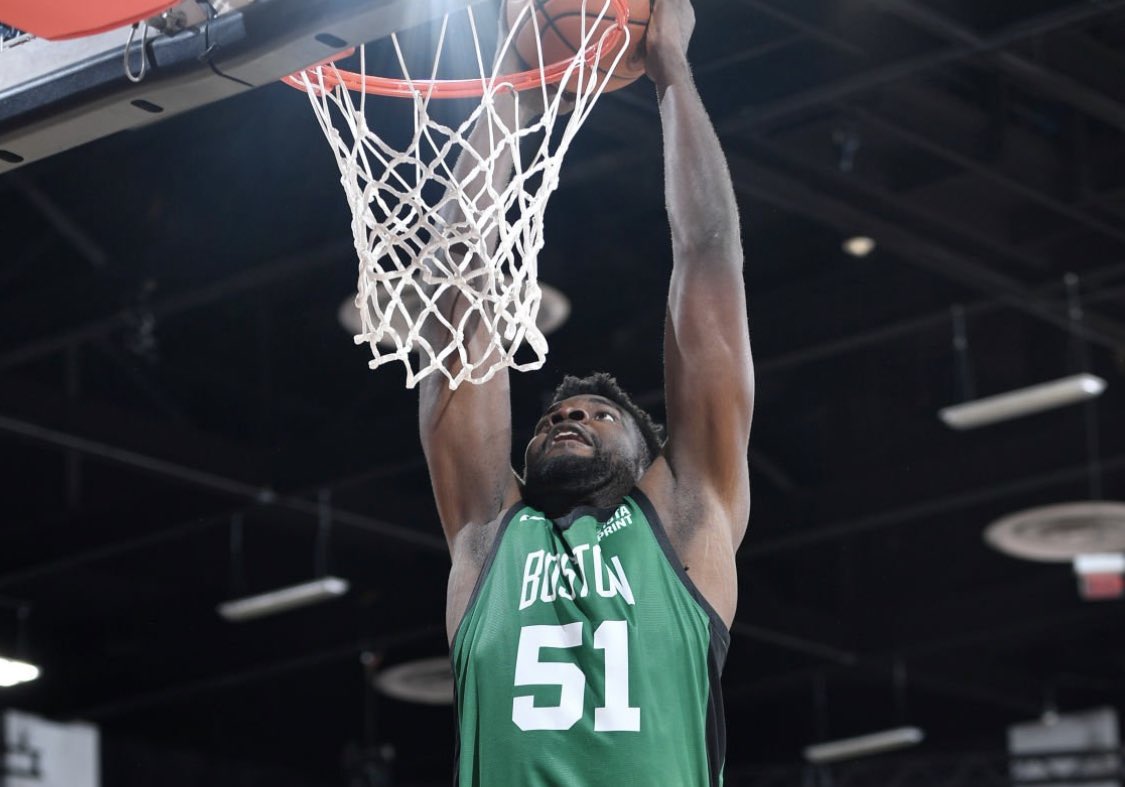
(557, 484)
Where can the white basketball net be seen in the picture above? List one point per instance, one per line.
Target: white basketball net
(410, 254)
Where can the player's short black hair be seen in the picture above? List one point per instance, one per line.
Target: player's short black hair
(605, 385)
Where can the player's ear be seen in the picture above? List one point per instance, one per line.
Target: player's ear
(639, 439)
(645, 457)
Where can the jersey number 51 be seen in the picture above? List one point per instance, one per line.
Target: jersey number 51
(612, 636)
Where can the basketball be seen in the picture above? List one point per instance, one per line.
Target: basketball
(560, 25)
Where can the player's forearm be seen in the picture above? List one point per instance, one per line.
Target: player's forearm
(702, 209)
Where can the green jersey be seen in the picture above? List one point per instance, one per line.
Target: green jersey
(587, 657)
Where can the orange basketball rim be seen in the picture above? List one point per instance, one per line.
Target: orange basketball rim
(549, 74)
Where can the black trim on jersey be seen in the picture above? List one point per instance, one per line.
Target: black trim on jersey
(488, 561)
(456, 732)
(716, 714)
(716, 652)
(657, 526)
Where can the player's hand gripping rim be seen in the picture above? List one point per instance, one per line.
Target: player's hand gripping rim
(667, 40)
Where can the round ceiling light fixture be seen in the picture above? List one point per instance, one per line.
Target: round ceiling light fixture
(1060, 533)
(423, 681)
(859, 246)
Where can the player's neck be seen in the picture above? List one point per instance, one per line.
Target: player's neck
(557, 502)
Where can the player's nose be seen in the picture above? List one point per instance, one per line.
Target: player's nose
(572, 413)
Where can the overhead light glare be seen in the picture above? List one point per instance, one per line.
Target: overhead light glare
(859, 246)
(864, 745)
(283, 599)
(1024, 401)
(13, 673)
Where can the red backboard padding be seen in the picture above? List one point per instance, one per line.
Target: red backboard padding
(1101, 587)
(57, 19)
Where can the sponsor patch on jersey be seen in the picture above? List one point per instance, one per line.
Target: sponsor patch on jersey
(621, 519)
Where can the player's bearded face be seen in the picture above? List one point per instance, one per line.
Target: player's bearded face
(605, 462)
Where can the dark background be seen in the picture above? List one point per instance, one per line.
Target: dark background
(170, 351)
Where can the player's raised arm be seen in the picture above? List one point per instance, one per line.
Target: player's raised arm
(709, 376)
(467, 432)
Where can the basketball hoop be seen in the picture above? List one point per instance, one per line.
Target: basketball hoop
(397, 193)
(407, 87)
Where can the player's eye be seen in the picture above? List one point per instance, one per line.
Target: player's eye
(605, 416)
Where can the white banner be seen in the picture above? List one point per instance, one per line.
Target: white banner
(41, 753)
(1091, 731)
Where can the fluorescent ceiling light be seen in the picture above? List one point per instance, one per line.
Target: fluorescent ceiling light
(13, 673)
(864, 745)
(859, 246)
(283, 599)
(1024, 401)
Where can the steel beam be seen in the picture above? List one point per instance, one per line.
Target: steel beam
(757, 117)
(794, 643)
(828, 38)
(775, 188)
(746, 55)
(1047, 81)
(772, 471)
(254, 279)
(64, 225)
(982, 170)
(932, 321)
(120, 706)
(897, 207)
(881, 667)
(249, 493)
(835, 531)
(72, 561)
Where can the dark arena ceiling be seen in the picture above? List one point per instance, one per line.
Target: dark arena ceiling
(171, 362)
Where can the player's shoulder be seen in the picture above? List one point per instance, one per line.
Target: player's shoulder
(688, 506)
(703, 532)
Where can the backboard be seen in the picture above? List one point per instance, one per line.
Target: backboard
(57, 95)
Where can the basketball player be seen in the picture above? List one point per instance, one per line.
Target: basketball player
(590, 597)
